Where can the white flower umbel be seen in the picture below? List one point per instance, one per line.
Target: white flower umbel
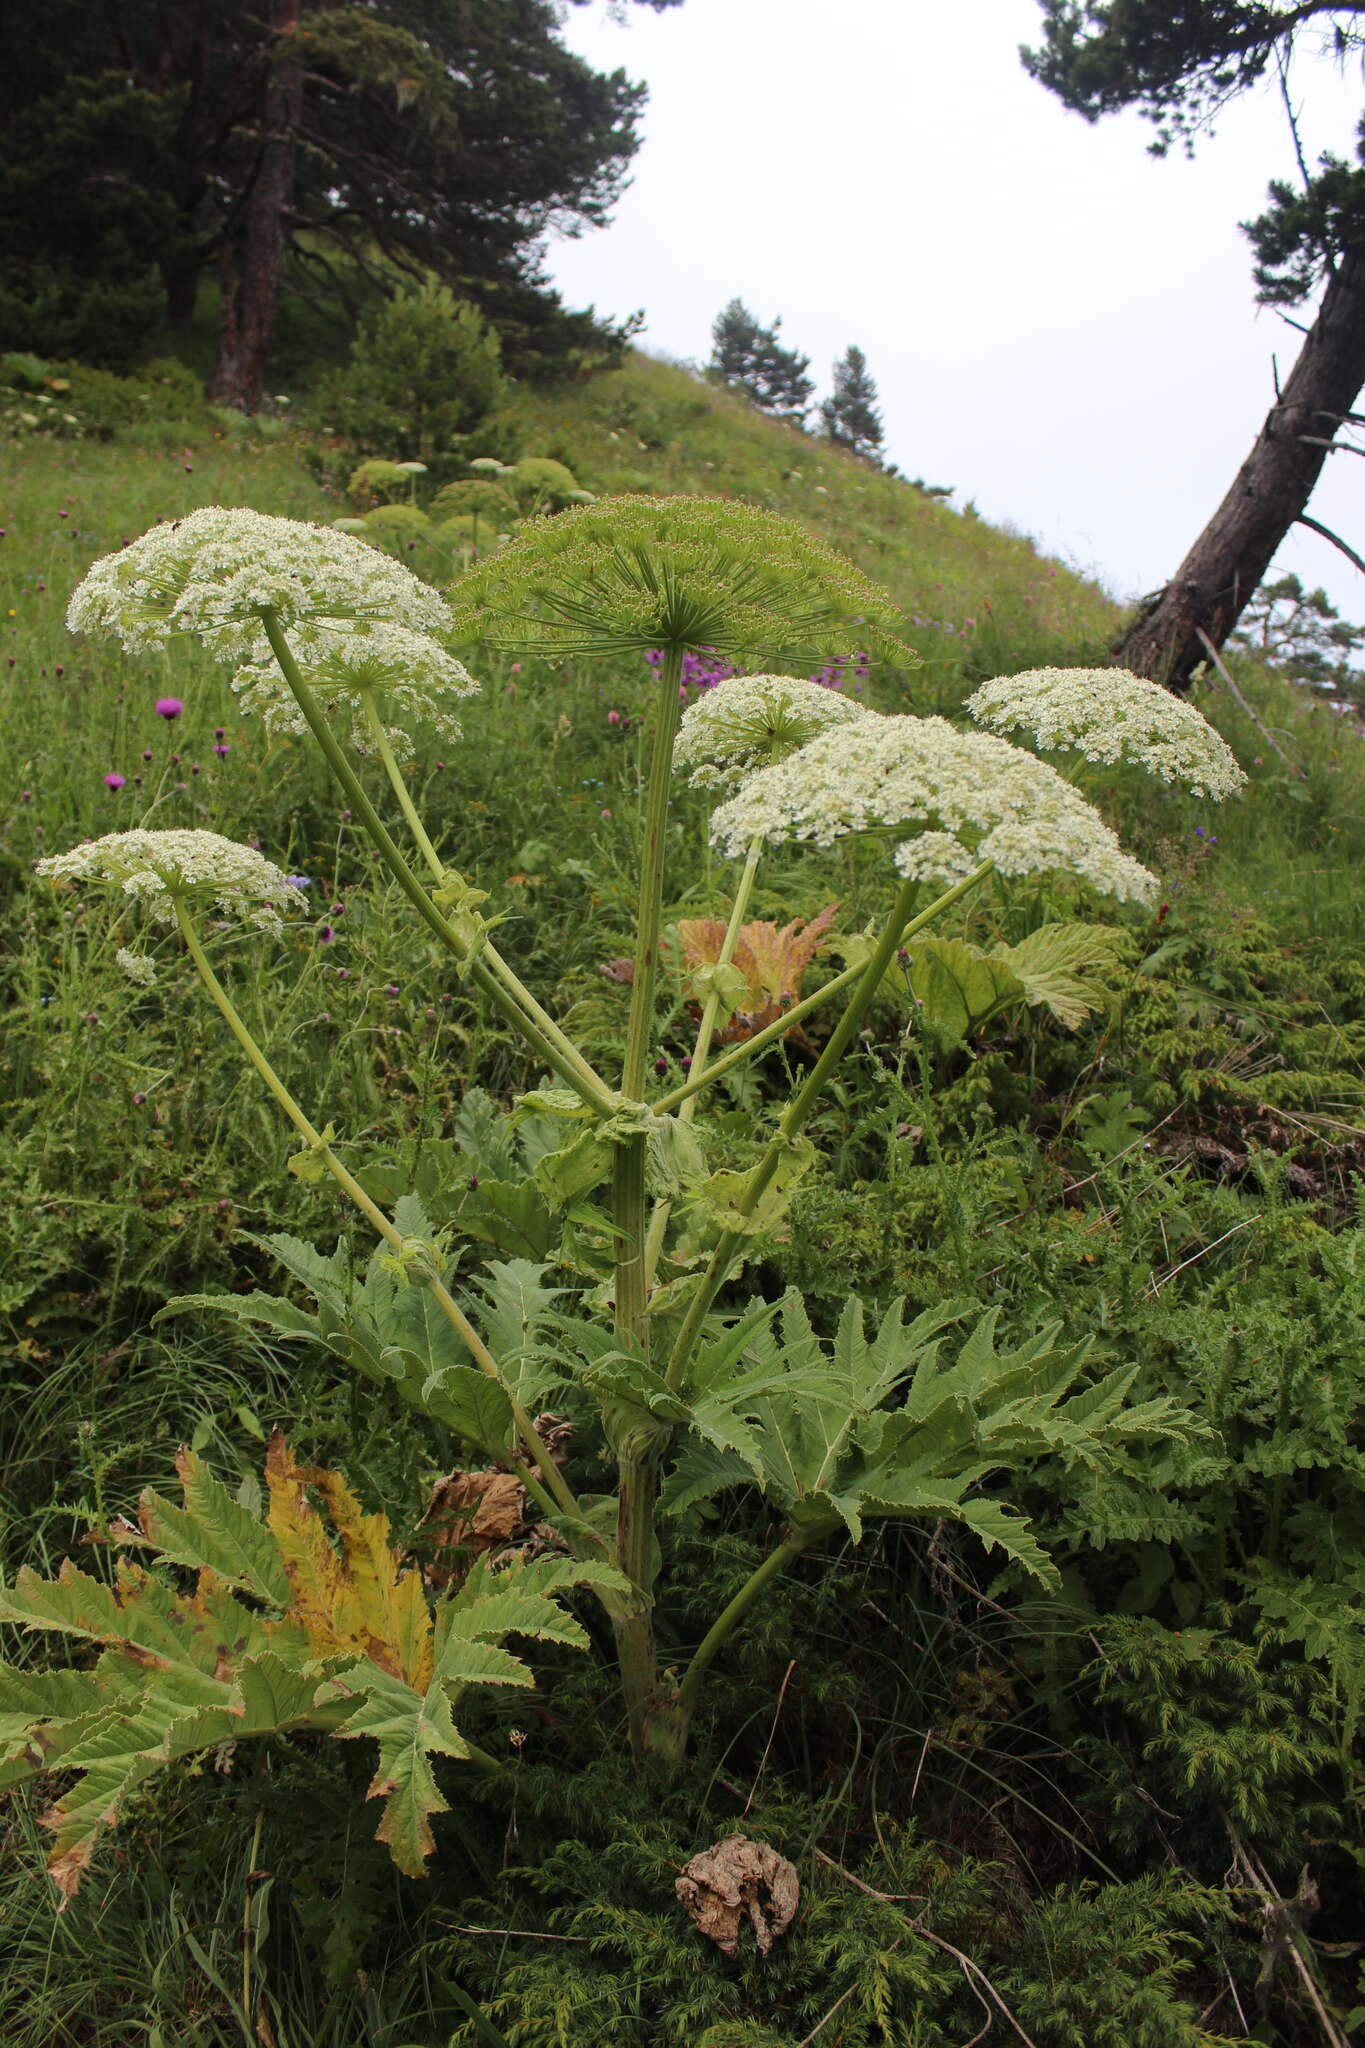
(159, 869)
(975, 798)
(400, 672)
(139, 967)
(752, 720)
(214, 572)
(1108, 715)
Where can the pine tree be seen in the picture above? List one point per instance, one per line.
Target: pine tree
(850, 416)
(162, 141)
(750, 358)
(1179, 64)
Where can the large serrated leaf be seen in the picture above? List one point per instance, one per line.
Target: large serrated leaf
(354, 1652)
(575, 1169)
(1052, 965)
(212, 1532)
(409, 1727)
(512, 1216)
(472, 1405)
(357, 1600)
(261, 1311)
(1002, 1528)
(959, 987)
(621, 1376)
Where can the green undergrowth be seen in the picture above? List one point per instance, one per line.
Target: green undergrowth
(1054, 1790)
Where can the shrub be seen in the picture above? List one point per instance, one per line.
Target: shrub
(398, 529)
(538, 482)
(378, 482)
(483, 497)
(424, 372)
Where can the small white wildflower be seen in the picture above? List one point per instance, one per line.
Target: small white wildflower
(215, 571)
(139, 967)
(1108, 715)
(936, 857)
(976, 797)
(157, 869)
(749, 720)
(399, 671)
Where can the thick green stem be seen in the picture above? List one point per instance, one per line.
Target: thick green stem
(770, 1033)
(548, 1490)
(798, 1110)
(658, 1222)
(640, 1022)
(669, 1731)
(520, 1011)
(639, 1442)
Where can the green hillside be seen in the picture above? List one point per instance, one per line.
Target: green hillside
(1137, 1173)
(653, 426)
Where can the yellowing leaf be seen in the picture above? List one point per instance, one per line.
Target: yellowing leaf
(356, 1600)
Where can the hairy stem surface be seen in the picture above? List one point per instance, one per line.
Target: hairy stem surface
(639, 1444)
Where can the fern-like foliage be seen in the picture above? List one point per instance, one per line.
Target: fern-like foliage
(303, 1620)
(860, 1428)
(628, 574)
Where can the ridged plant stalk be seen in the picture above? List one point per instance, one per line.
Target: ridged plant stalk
(540, 1475)
(639, 1441)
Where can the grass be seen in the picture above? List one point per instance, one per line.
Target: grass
(887, 1713)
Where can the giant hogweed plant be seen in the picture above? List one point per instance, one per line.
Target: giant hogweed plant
(298, 1613)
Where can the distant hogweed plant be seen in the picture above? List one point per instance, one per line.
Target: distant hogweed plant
(335, 1632)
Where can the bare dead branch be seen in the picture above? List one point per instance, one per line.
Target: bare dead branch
(1335, 538)
(1216, 658)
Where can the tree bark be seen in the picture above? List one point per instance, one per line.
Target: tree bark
(1222, 570)
(251, 261)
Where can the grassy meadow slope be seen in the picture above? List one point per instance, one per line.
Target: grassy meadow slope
(1178, 1175)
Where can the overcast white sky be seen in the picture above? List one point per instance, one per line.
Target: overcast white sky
(1059, 325)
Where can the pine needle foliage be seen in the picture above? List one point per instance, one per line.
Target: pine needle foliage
(865, 1961)
(626, 575)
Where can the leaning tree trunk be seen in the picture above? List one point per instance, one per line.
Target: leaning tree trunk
(252, 257)
(1220, 573)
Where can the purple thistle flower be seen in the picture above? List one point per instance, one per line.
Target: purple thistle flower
(114, 781)
(168, 707)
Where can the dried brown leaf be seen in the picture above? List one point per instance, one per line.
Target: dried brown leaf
(772, 959)
(726, 1884)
